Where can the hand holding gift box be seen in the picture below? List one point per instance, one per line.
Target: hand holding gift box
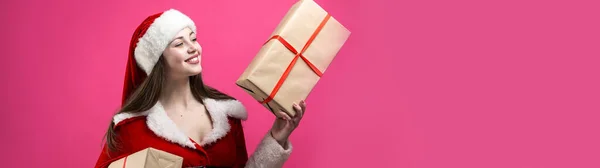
(149, 158)
(291, 62)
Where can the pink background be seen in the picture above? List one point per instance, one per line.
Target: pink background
(419, 84)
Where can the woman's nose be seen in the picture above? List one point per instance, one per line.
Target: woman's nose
(192, 49)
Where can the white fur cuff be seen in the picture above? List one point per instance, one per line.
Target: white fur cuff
(269, 154)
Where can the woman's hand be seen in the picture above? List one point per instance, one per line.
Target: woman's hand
(284, 125)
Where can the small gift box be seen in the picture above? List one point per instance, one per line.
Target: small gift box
(149, 158)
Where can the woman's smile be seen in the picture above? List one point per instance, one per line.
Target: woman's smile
(193, 60)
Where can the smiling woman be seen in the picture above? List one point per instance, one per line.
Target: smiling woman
(166, 105)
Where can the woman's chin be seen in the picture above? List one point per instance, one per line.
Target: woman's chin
(195, 71)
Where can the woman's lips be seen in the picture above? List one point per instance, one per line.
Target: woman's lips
(193, 60)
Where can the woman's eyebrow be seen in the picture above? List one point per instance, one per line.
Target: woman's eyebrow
(180, 37)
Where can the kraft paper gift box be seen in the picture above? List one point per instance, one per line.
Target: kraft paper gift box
(291, 62)
(149, 158)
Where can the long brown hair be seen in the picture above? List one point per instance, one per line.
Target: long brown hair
(146, 95)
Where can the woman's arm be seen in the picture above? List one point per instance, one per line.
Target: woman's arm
(126, 136)
(107, 157)
(268, 154)
(275, 148)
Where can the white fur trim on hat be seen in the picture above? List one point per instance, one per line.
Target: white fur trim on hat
(156, 39)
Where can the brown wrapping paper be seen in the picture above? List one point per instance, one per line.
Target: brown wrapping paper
(149, 158)
(265, 70)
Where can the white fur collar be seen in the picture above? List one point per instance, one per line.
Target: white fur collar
(163, 126)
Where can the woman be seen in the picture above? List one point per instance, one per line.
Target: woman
(167, 106)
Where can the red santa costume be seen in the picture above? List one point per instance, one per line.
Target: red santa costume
(224, 146)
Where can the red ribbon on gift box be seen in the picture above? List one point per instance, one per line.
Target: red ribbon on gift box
(298, 55)
(125, 161)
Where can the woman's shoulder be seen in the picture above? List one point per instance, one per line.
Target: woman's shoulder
(127, 120)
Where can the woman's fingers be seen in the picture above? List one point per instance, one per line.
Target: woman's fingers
(298, 110)
(284, 116)
(303, 106)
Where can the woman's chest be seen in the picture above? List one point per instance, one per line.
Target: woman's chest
(223, 152)
(196, 123)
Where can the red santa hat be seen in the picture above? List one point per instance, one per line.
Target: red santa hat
(147, 44)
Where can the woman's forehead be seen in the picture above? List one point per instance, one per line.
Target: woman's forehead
(185, 31)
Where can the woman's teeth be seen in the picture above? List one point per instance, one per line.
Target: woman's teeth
(192, 60)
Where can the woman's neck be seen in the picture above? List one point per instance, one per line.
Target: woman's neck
(177, 93)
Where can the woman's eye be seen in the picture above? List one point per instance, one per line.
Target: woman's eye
(178, 44)
(194, 39)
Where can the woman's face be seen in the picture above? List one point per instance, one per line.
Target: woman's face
(183, 55)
